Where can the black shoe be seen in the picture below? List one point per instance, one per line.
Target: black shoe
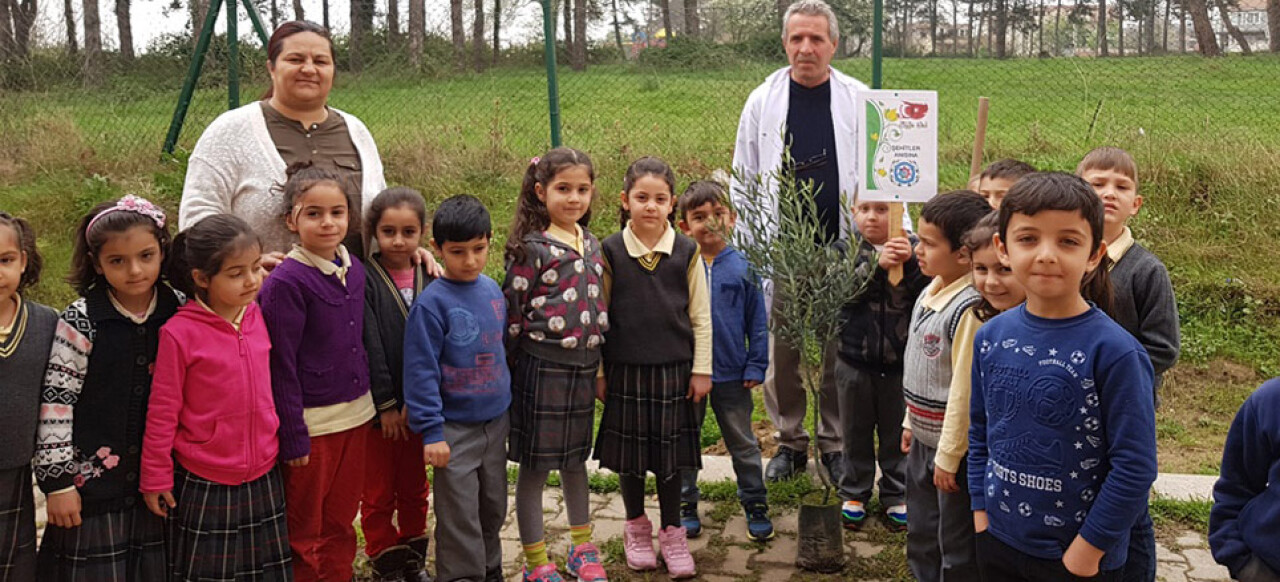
(389, 565)
(786, 464)
(689, 519)
(759, 526)
(415, 568)
(834, 462)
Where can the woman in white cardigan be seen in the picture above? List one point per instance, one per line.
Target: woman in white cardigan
(240, 160)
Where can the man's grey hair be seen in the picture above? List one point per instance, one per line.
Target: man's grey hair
(812, 8)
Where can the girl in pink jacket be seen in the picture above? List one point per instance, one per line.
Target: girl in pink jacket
(209, 450)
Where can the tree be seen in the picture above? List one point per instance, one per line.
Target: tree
(417, 30)
(497, 24)
(324, 9)
(665, 6)
(361, 29)
(16, 21)
(1102, 27)
(7, 48)
(478, 60)
(69, 16)
(298, 13)
(92, 44)
(567, 21)
(1205, 37)
(124, 25)
(1232, 29)
(578, 57)
(691, 23)
(275, 14)
(199, 10)
(617, 27)
(1273, 24)
(458, 34)
(1120, 26)
(1001, 27)
(393, 21)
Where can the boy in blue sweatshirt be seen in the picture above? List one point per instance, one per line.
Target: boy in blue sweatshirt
(1244, 525)
(1062, 448)
(457, 390)
(740, 353)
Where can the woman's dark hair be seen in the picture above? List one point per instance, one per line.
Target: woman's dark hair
(531, 213)
(648, 166)
(89, 241)
(1044, 191)
(25, 236)
(395, 198)
(276, 44)
(204, 247)
(978, 238)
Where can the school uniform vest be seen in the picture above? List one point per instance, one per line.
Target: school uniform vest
(23, 357)
(926, 374)
(649, 307)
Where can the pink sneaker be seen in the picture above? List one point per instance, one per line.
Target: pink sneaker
(637, 538)
(675, 552)
(584, 563)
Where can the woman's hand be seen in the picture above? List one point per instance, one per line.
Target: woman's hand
(64, 509)
(299, 462)
(159, 503)
(423, 257)
(394, 424)
(699, 387)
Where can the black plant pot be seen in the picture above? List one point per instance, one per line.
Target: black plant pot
(821, 544)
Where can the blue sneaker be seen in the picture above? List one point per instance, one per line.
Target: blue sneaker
(689, 519)
(759, 527)
(853, 515)
(896, 517)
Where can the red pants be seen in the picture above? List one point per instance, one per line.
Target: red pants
(322, 498)
(395, 484)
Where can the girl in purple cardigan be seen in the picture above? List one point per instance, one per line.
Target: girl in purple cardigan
(313, 304)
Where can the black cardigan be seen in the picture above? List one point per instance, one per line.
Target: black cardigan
(385, 313)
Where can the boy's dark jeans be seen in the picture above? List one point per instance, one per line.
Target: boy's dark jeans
(1000, 562)
(732, 404)
(1141, 565)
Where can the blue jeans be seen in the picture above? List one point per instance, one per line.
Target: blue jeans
(1141, 565)
(732, 405)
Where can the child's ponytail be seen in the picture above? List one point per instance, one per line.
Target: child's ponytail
(1096, 286)
(531, 213)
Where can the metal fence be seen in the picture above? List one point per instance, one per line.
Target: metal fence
(644, 91)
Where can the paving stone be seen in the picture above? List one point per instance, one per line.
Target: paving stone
(699, 543)
(614, 509)
(863, 549)
(1203, 567)
(780, 551)
(1164, 554)
(603, 530)
(1189, 539)
(1170, 572)
(736, 529)
(717, 578)
(785, 523)
(735, 562)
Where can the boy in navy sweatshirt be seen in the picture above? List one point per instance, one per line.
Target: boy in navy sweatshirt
(1062, 450)
(457, 390)
(1245, 522)
(740, 354)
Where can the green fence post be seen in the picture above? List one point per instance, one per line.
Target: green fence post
(193, 74)
(877, 42)
(233, 56)
(553, 92)
(257, 23)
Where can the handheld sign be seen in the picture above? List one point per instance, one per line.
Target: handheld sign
(899, 159)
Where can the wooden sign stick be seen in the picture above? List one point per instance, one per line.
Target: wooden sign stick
(895, 230)
(979, 138)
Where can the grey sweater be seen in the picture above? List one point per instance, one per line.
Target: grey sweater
(1144, 306)
(23, 357)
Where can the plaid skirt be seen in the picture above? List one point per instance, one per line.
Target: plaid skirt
(553, 409)
(648, 424)
(229, 532)
(17, 526)
(127, 545)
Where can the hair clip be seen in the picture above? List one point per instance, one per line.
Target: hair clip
(135, 204)
(534, 160)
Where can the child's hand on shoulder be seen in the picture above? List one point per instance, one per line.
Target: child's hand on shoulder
(699, 387)
(436, 454)
(64, 509)
(944, 480)
(299, 462)
(159, 502)
(896, 252)
(749, 384)
(394, 424)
